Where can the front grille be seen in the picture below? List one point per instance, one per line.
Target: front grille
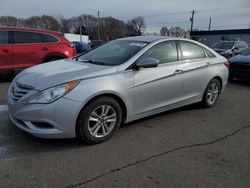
(19, 90)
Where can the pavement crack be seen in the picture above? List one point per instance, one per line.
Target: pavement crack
(158, 155)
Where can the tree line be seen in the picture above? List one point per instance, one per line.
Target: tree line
(110, 28)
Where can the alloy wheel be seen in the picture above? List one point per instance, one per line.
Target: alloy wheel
(102, 121)
(213, 93)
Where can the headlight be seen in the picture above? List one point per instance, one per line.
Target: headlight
(51, 94)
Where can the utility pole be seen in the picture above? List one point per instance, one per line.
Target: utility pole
(209, 25)
(192, 20)
(98, 25)
(81, 23)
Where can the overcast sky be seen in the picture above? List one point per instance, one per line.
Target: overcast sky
(226, 14)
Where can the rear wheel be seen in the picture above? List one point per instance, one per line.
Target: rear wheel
(99, 120)
(212, 93)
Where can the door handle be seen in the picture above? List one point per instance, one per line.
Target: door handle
(178, 71)
(5, 51)
(45, 48)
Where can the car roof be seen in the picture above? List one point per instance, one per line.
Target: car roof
(146, 38)
(152, 38)
(29, 29)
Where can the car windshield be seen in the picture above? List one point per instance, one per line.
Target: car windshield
(113, 53)
(246, 52)
(223, 45)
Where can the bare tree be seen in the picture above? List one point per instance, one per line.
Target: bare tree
(174, 32)
(110, 28)
(9, 21)
(138, 24)
(164, 31)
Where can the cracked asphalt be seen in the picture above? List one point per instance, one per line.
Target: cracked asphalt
(187, 147)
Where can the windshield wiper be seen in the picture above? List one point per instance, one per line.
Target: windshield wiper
(92, 61)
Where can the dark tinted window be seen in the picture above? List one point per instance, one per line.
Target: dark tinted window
(209, 54)
(165, 52)
(27, 37)
(48, 38)
(3, 37)
(191, 51)
(223, 44)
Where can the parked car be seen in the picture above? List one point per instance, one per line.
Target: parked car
(240, 65)
(229, 48)
(91, 95)
(81, 46)
(23, 48)
(96, 43)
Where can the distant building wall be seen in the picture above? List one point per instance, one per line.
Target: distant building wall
(211, 37)
(75, 37)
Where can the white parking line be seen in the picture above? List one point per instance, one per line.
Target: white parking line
(3, 108)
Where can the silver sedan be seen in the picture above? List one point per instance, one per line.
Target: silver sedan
(91, 95)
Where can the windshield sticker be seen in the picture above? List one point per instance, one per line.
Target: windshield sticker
(139, 44)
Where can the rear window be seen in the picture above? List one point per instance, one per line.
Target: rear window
(3, 37)
(209, 54)
(27, 37)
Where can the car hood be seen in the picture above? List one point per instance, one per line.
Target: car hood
(49, 74)
(240, 59)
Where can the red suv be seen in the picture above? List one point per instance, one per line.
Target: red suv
(23, 48)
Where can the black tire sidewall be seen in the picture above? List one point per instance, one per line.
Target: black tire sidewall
(204, 100)
(82, 131)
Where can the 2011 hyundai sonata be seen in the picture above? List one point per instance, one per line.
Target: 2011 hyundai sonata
(91, 95)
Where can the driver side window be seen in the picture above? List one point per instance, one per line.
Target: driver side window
(165, 52)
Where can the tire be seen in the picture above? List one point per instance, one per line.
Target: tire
(211, 93)
(93, 117)
(53, 59)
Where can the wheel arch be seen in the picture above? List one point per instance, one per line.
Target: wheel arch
(54, 55)
(111, 95)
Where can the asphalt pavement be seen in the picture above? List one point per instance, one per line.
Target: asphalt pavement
(187, 147)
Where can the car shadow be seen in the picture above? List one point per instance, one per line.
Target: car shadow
(195, 106)
(6, 78)
(241, 82)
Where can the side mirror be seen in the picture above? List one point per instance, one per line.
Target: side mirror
(147, 63)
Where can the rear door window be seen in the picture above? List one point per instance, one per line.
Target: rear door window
(48, 38)
(4, 37)
(190, 50)
(23, 37)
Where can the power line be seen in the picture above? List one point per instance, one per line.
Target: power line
(184, 12)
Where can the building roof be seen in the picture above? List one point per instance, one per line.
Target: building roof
(221, 32)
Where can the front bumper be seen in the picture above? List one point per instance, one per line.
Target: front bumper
(54, 120)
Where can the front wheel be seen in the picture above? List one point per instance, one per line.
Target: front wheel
(211, 93)
(99, 120)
